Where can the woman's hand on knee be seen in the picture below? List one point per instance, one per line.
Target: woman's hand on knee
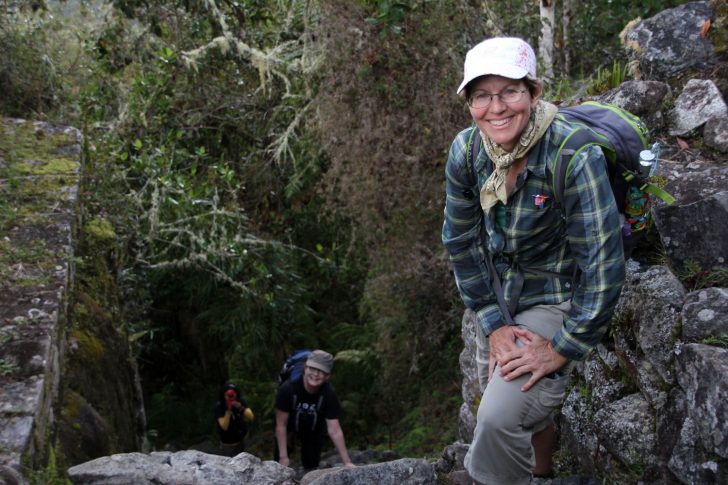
(536, 357)
(501, 342)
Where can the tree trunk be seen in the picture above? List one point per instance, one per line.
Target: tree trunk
(565, 20)
(546, 44)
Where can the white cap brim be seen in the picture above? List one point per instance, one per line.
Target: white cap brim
(493, 69)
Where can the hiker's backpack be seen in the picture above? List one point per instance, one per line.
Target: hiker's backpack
(622, 136)
(292, 368)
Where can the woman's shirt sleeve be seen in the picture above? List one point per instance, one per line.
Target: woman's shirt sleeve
(462, 236)
(594, 235)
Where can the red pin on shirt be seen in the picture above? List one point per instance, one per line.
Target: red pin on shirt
(540, 200)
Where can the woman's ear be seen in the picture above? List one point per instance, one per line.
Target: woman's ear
(538, 90)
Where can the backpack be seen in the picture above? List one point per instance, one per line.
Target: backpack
(622, 137)
(292, 368)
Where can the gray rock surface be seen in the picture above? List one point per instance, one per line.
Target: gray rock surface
(691, 464)
(693, 229)
(669, 43)
(470, 387)
(715, 134)
(699, 101)
(695, 233)
(642, 98)
(703, 375)
(180, 468)
(625, 429)
(406, 471)
(692, 181)
(198, 468)
(648, 314)
(705, 315)
(598, 377)
(33, 292)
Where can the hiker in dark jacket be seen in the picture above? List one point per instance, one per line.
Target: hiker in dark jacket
(232, 415)
(306, 409)
(502, 228)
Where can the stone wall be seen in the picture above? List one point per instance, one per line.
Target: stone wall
(39, 178)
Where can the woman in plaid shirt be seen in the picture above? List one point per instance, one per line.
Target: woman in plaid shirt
(560, 266)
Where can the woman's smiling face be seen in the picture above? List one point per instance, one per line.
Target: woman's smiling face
(314, 378)
(503, 122)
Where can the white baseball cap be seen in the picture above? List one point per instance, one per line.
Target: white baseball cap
(509, 57)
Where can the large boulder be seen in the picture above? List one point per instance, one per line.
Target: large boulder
(646, 319)
(642, 98)
(406, 471)
(180, 468)
(699, 102)
(715, 134)
(579, 430)
(695, 235)
(701, 452)
(693, 230)
(703, 375)
(670, 44)
(626, 430)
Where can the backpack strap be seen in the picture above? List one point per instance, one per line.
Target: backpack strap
(506, 310)
(574, 143)
(318, 412)
(294, 403)
(474, 141)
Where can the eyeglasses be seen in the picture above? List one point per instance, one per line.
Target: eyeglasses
(315, 370)
(481, 99)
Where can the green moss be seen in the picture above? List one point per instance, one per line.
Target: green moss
(90, 349)
(48, 166)
(25, 265)
(35, 170)
(72, 404)
(51, 474)
(80, 311)
(585, 393)
(100, 230)
(95, 313)
(716, 340)
(31, 151)
(718, 32)
(8, 368)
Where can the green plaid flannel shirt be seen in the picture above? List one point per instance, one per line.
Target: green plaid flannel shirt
(584, 230)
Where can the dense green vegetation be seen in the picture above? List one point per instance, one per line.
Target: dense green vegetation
(272, 171)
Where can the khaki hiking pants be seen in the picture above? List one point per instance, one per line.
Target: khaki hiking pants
(501, 451)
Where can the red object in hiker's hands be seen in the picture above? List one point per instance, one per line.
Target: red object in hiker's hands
(231, 397)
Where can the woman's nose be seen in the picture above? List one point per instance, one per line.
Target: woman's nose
(496, 104)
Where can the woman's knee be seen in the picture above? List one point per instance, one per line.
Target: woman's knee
(494, 424)
(505, 407)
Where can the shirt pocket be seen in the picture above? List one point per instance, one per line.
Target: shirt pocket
(534, 222)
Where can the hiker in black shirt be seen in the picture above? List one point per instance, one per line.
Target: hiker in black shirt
(306, 408)
(231, 417)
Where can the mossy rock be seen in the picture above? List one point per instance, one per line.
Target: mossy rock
(83, 434)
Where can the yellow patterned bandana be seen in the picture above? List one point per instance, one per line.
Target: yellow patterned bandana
(494, 189)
